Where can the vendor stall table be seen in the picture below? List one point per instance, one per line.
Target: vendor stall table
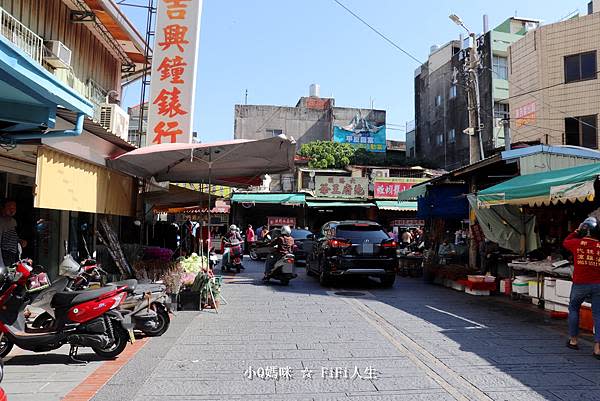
(410, 265)
(542, 269)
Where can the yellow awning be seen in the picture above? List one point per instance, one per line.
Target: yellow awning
(64, 182)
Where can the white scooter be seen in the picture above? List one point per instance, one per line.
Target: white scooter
(284, 270)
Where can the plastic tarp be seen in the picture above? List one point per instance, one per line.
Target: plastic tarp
(446, 201)
(550, 187)
(505, 225)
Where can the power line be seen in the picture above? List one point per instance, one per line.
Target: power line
(391, 42)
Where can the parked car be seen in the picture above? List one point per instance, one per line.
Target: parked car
(352, 248)
(299, 235)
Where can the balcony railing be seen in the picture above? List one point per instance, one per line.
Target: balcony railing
(21, 36)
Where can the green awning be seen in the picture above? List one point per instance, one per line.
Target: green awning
(282, 199)
(338, 204)
(402, 206)
(550, 187)
(413, 193)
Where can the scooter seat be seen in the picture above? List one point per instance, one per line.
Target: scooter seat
(131, 284)
(70, 298)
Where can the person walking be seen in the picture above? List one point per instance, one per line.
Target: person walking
(249, 238)
(9, 239)
(584, 244)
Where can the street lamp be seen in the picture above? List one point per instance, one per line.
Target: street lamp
(458, 21)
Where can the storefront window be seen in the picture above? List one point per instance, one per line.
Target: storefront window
(46, 239)
(81, 234)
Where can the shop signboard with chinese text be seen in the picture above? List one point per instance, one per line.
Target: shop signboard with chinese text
(174, 65)
(407, 223)
(389, 188)
(273, 221)
(526, 114)
(341, 187)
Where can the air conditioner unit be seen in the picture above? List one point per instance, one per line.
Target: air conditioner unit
(380, 173)
(60, 55)
(115, 120)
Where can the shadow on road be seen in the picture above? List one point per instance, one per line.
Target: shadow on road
(508, 349)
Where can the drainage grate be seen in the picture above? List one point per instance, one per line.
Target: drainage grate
(350, 293)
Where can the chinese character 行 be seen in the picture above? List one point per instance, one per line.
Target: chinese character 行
(166, 130)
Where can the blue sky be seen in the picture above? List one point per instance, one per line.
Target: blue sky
(276, 48)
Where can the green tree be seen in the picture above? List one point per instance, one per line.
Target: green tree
(325, 154)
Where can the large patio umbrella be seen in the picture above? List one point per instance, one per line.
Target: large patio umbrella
(203, 162)
(199, 162)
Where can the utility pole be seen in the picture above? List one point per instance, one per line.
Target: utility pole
(471, 68)
(474, 130)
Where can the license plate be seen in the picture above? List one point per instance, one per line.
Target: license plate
(367, 248)
(131, 336)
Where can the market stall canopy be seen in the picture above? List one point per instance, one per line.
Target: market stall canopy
(338, 204)
(280, 199)
(550, 187)
(197, 162)
(413, 193)
(507, 226)
(401, 206)
(175, 197)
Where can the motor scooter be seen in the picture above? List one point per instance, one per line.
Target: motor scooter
(146, 305)
(284, 269)
(82, 318)
(232, 258)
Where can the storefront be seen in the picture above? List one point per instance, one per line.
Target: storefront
(257, 208)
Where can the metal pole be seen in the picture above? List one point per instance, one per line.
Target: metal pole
(209, 191)
(507, 138)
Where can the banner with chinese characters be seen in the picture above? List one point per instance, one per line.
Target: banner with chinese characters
(526, 114)
(173, 82)
(273, 221)
(341, 187)
(389, 188)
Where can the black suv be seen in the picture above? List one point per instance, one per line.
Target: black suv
(350, 248)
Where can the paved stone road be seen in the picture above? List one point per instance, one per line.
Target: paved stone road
(426, 343)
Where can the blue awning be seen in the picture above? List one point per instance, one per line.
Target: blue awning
(29, 94)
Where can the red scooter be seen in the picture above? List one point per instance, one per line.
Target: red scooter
(83, 318)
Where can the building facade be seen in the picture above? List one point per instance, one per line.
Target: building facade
(555, 91)
(441, 105)
(312, 119)
(62, 64)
